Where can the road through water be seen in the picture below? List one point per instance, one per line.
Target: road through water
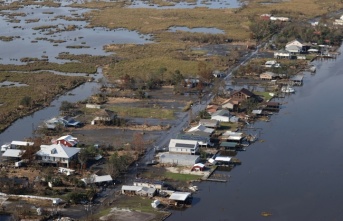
(296, 173)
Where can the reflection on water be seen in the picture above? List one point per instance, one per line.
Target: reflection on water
(294, 172)
(11, 84)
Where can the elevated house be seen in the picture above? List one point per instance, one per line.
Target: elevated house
(67, 140)
(183, 146)
(177, 198)
(271, 106)
(230, 136)
(297, 80)
(57, 154)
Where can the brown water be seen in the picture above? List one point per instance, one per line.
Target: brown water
(296, 173)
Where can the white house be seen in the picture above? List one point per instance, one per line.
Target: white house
(178, 159)
(282, 54)
(97, 179)
(57, 154)
(183, 146)
(221, 115)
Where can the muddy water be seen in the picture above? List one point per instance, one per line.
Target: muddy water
(296, 173)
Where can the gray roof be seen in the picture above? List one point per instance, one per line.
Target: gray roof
(180, 159)
(222, 112)
(297, 78)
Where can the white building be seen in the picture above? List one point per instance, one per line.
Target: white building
(57, 154)
(183, 146)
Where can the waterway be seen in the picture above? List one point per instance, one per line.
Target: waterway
(296, 172)
(24, 127)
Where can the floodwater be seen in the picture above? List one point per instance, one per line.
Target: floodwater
(296, 173)
(44, 33)
(24, 127)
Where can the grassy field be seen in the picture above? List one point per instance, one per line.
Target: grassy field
(170, 50)
(181, 177)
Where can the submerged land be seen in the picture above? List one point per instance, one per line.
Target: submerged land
(147, 87)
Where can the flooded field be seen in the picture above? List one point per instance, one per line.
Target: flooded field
(45, 32)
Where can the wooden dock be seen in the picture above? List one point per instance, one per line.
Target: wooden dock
(217, 180)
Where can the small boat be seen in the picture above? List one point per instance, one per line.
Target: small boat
(266, 214)
(287, 89)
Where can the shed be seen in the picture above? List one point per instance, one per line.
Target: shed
(223, 159)
(126, 189)
(297, 80)
(210, 123)
(198, 167)
(13, 153)
(267, 75)
(146, 191)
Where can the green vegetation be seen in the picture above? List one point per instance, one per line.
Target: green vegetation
(181, 177)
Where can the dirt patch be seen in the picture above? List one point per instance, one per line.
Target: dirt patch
(126, 214)
(186, 170)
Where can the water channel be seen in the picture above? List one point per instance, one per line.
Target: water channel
(296, 172)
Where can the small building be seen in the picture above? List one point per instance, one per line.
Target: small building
(202, 128)
(104, 116)
(16, 145)
(179, 159)
(222, 115)
(230, 104)
(212, 108)
(267, 75)
(180, 198)
(210, 123)
(198, 167)
(230, 136)
(13, 153)
(223, 159)
(271, 106)
(293, 49)
(183, 146)
(67, 140)
(104, 179)
(228, 145)
(297, 80)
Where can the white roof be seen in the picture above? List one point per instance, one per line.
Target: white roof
(183, 143)
(67, 138)
(199, 165)
(13, 153)
(272, 62)
(201, 128)
(21, 143)
(232, 133)
(97, 179)
(223, 159)
(57, 150)
(131, 188)
(180, 196)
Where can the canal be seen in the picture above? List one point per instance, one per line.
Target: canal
(294, 172)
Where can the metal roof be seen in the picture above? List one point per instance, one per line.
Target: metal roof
(223, 159)
(21, 143)
(179, 196)
(131, 188)
(228, 144)
(13, 153)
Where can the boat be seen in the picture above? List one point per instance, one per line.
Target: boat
(287, 89)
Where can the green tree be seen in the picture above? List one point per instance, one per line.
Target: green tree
(26, 101)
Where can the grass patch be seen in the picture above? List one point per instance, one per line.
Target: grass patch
(143, 112)
(227, 126)
(265, 95)
(181, 177)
